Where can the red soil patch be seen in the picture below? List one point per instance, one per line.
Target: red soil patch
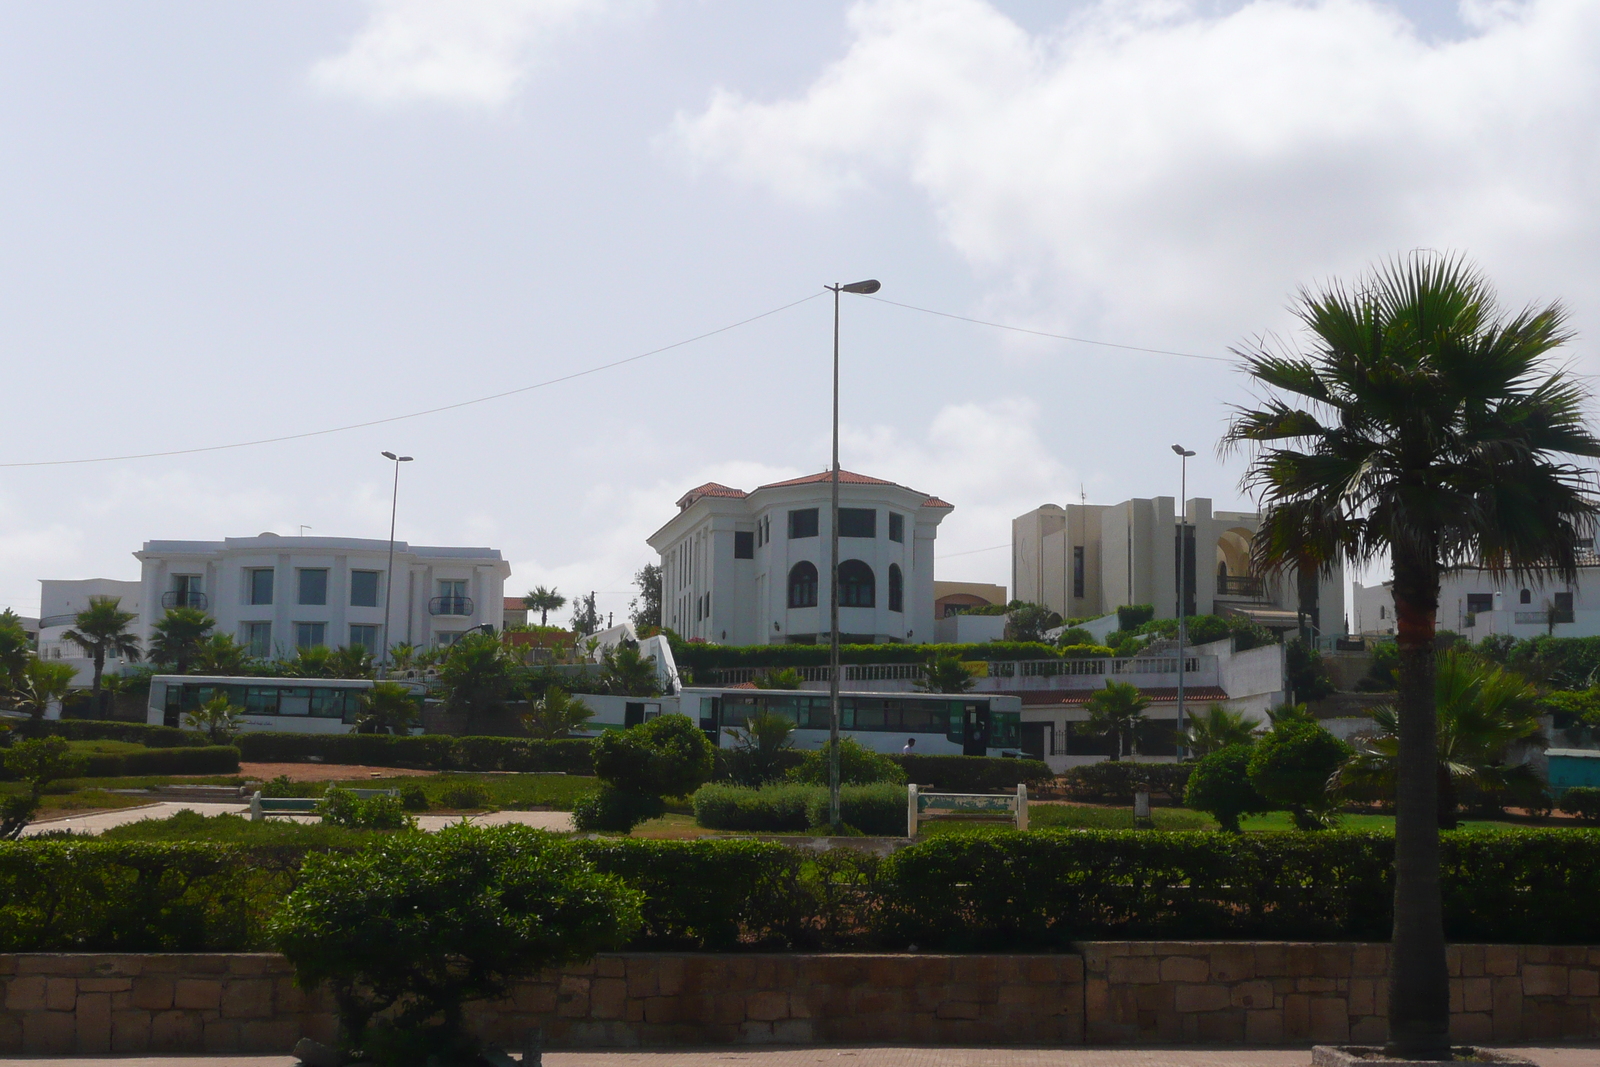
(323, 772)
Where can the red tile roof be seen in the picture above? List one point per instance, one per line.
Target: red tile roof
(1073, 698)
(845, 478)
(711, 489)
(514, 603)
(935, 502)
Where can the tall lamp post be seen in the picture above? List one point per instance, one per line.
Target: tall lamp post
(388, 589)
(1183, 584)
(865, 288)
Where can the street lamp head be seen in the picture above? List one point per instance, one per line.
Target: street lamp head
(1180, 450)
(390, 455)
(407, 459)
(866, 288)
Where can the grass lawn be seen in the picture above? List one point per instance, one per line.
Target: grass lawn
(1280, 820)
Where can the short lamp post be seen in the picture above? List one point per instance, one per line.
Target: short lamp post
(1183, 574)
(865, 288)
(388, 589)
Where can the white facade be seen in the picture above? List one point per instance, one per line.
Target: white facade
(1476, 604)
(1087, 560)
(275, 594)
(752, 568)
(59, 604)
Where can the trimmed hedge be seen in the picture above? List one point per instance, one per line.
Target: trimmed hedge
(212, 759)
(879, 810)
(136, 733)
(973, 774)
(1118, 780)
(706, 658)
(438, 752)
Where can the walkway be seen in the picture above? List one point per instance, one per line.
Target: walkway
(105, 820)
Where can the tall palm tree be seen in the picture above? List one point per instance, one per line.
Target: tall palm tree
(101, 630)
(544, 601)
(1118, 709)
(1425, 424)
(177, 639)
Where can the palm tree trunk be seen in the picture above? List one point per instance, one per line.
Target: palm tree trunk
(99, 672)
(1448, 820)
(1419, 983)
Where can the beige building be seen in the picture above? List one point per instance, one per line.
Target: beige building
(953, 598)
(1087, 560)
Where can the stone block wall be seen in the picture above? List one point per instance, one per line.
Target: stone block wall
(1142, 992)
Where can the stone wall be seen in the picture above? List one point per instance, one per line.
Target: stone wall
(1202, 993)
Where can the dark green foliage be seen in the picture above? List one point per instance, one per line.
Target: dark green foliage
(37, 762)
(1220, 785)
(341, 807)
(877, 810)
(425, 751)
(1307, 674)
(858, 765)
(136, 733)
(1074, 635)
(749, 769)
(466, 796)
(1132, 616)
(519, 754)
(1557, 662)
(972, 774)
(1028, 622)
(946, 673)
(668, 756)
(616, 810)
(413, 798)
(1582, 801)
(209, 759)
(1290, 767)
(1380, 676)
(771, 809)
(421, 924)
(1118, 781)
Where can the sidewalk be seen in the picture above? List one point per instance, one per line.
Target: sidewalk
(105, 820)
(819, 1056)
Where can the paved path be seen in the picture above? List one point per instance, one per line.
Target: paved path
(1587, 1056)
(105, 820)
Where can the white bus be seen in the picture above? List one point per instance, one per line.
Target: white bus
(286, 705)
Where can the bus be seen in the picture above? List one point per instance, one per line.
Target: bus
(285, 705)
(941, 724)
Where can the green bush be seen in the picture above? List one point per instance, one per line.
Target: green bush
(466, 796)
(1290, 767)
(210, 759)
(771, 809)
(437, 752)
(1582, 801)
(1132, 616)
(1220, 786)
(1118, 780)
(413, 797)
(858, 765)
(341, 807)
(524, 754)
(137, 733)
(1073, 636)
(616, 810)
(972, 774)
(878, 810)
(1086, 651)
(421, 924)
(667, 756)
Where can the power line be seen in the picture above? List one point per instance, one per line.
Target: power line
(417, 414)
(1055, 336)
(972, 551)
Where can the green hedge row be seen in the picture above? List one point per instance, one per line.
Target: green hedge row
(879, 810)
(211, 759)
(973, 774)
(426, 751)
(136, 733)
(996, 889)
(702, 659)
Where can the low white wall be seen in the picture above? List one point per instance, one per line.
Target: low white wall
(969, 629)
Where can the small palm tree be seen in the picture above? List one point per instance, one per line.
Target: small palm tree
(220, 654)
(351, 661)
(217, 718)
(1428, 426)
(177, 638)
(44, 682)
(623, 672)
(556, 714)
(402, 656)
(314, 661)
(544, 601)
(1216, 728)
(1118, 710)
(101, 630)
(758, 753)
(786, 678)
(946, 674)
(387, 708)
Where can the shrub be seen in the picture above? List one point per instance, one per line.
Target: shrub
(137, 733)
(763, 750)
(1074, 636)
(616, 810)
(878, 809)
(1131, 617)
(413, 797)
(521, 754)
(1220, 785)
(1086, 650)
(37, 762)
(435, 752)
(283, 787)
(1290, 767)
(469, 796)
(772, 809)
(858, 765)
(341, 807)
(972, 774)
(1118, 780)
(210, 759)
(667, 756)
(1582, 801)
(421, 924)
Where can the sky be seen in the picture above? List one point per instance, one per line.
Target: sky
(224, 223)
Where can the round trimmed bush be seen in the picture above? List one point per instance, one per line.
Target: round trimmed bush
(616, 810)
(1220, 786)
(1291, 767)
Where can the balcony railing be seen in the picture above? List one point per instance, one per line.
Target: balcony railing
(450, 605)
(1244, 585)
(180, 599)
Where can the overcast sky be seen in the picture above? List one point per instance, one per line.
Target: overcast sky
(227, 222)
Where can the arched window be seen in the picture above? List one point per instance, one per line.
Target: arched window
(1222, 568)
(1527, 597)
(858, 588)
(897, 593)
(803, 585)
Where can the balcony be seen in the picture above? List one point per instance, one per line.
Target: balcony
(450, 605)
(1247, 586)
(180, 599)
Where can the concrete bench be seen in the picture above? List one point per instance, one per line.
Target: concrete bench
(922, 807)
(261, 807)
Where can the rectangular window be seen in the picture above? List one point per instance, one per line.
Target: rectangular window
(363, 589)
(257, 638)
(1077, 570)
(803, 523)
(310, 634)
(313, 585)
(744, 544)
(261, 585)
(445, 640)
(1563, 608)
(858, 522)
(1477, 602)
(897, 527)
(364, 636)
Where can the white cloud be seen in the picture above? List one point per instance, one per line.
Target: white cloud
(1161, 170)
(465, 52)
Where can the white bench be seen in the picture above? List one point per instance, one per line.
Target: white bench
(922, 807)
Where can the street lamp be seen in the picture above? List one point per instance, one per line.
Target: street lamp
(388, 589)
(1183, 587)
(865, 288)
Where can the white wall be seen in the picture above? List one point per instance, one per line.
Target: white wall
(969, 629)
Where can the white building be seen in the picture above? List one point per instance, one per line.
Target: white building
(59, 604)
(1476, 604)
(751, 568)
(275, 594)
(1087, 560)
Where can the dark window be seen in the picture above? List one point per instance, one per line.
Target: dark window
(310, 634)
(1480, 602)
(744, 544)
(1527, 596)
(261, 586)
(258, 638)
(313, 587)
(897, 526)
(858, 522)
(1077, 570)
(803, 523)
(896, 589)
(803, 584)
(858, 588)
(363, 589)
(364, 636)
(1563, 608)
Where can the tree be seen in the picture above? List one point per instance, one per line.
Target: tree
(1481, 710)
(1118, 710)
(477, 677)
(760, 747)
(417, 925)
(585, 616)
(101, 630)
(1307, 674)
(946, 674)
(858, 765)
(1427, 425)
(668, 756)
(15, 650)
(37, 762)
(176, 639)
(1220, 785)
(402, 655)
(779, 678)
(1216, 728)
(313, 661)
(220, 655)
(1028, 622)
(351, 661)
(387, 708)
(44, 682)
(217, 718)
(1292, 766)
(544, 601)
(645, 611)
(625, 673)
(556, 714)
